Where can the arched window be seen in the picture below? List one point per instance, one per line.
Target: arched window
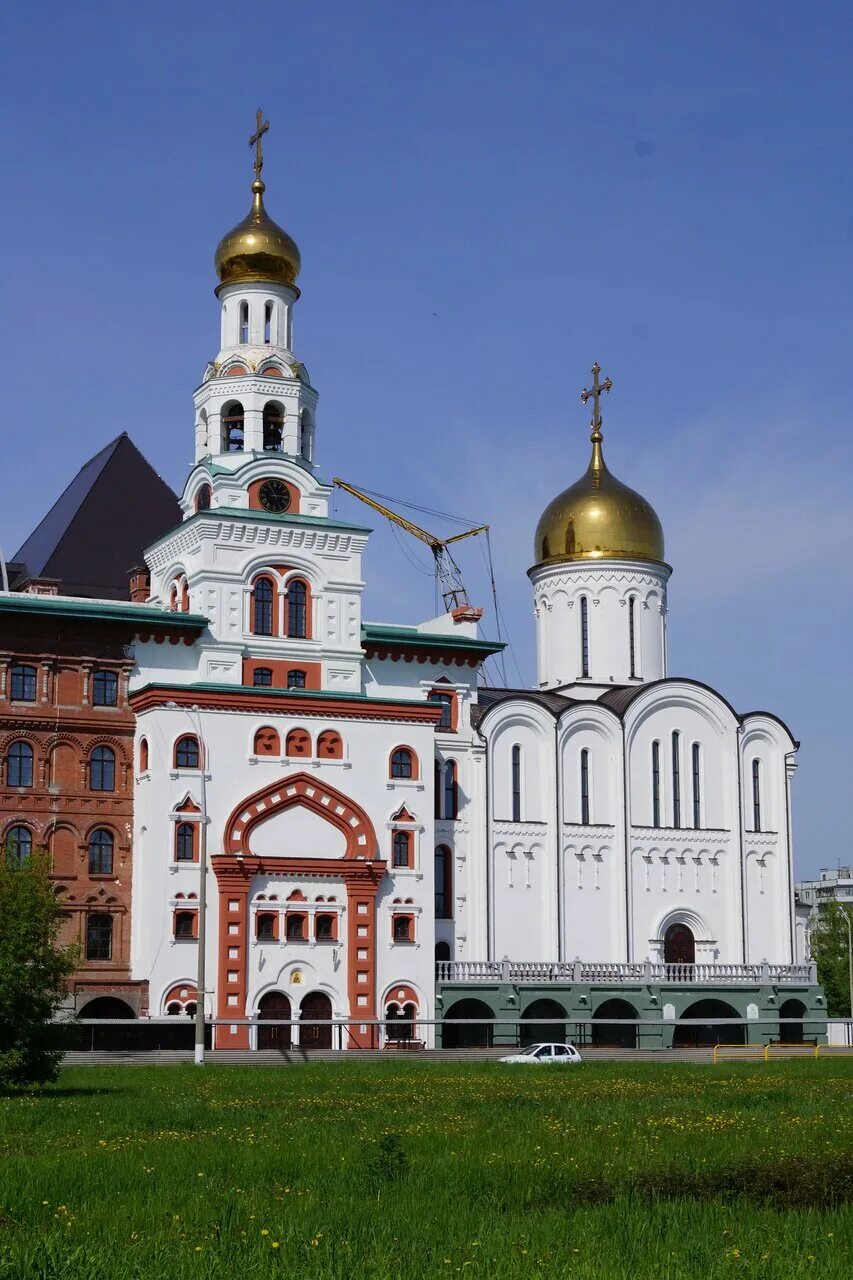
(232, 428)
(262, 677)
(202, 498)
(266, 926)
(449, 791)
(173, 597)
(298, 743)
(244, 323)
(185, 842)
(185, 597)
(446, 702)
(273, 427)
(516, 783)
(676, 779)
(325, 929)
(756, 795)
(267, 742)
(584, 605)
(585, 786)
(104, 689)
(143, 755)
(102, 769)
(631, 638)
(401, 848)
(101, 853)
(268, 315)
(295, 927)
(185, 924)
(402, 763)
(329, 745)
(697, 785)
(19, 844)
(22, 683)
(186, 752)
(442, 951)
(19, 765)
(655, 784)
(99, 937)
(679, 945)
(305, 445)
(297, 610)
(263, 596)
(173, 1009)
(296, 679)
(443, 884)
(402, 929)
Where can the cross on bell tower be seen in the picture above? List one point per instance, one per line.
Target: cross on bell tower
(256, 141)
(595, 396)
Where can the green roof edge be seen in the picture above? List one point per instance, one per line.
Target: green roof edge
(409, 636)
(104, 611)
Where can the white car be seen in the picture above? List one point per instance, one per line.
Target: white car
(558, 1055)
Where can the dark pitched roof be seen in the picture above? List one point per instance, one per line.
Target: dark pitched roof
(97, 530)
(487, 698)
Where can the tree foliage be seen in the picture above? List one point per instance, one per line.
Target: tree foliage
(829, 950)
(33, 971)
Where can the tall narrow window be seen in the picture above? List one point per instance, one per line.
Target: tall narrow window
(297, 610)
(99, 937)
(102, 770)
(401, 845)
(756, 795)
(516, 784)
(244, 322)
(445, 701)
(676, 779)
(19, 844)
(23, 684)
(273, 427)
(585, 786)
(697, 788)
(262, 600)
(305, 436)
(101, 853)
(584, 636)
(655, 784)
(19, 765)
(631, 637)
(443, 869)
(104, 689)
(449, 796)
(232, 428)
(268, 322)
(185, 842)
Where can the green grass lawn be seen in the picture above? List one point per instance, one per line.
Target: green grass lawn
(407, 1169)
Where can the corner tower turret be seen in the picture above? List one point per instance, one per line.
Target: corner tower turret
(599, 581)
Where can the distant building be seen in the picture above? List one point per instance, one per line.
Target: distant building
(835, 885)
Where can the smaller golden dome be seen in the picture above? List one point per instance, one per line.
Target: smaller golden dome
(257, 248)
(598, 517)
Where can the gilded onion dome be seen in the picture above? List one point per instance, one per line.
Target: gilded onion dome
(257, 248)
(598, 517)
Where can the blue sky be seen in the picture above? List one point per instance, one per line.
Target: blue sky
(487, 197)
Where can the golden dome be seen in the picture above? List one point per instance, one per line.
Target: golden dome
(598, 517)
(257, 248)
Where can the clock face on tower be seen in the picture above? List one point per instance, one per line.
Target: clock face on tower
(274, 495)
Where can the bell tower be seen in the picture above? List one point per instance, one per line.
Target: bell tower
(256, 397)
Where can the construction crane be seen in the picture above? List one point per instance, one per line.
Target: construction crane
(447, 571)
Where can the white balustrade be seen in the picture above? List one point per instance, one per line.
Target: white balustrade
(584, 971)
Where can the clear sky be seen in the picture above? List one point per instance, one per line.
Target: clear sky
(488, 197)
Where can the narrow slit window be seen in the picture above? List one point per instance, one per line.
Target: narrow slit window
(676, 779)
(697, 787)
(244, 323)
(584, 637)
(655, 784)
(585, 786)
(756, 795)
(632, 638)
(268, 323)
(516, 784)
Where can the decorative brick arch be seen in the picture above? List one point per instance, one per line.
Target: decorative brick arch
(302, 789)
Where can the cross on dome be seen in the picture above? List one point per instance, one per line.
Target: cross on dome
(595, 396)
(256, 141)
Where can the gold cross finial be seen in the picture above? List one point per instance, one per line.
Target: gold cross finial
(595, 396)
(255, 141)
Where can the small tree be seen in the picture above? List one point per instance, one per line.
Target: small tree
(33, 970)
(829, 950)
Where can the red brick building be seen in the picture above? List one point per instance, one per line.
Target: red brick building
(66, 730)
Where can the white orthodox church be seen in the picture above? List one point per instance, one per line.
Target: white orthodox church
(387, 839)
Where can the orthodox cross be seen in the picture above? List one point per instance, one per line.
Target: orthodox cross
(595, 396)
(256, 142)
